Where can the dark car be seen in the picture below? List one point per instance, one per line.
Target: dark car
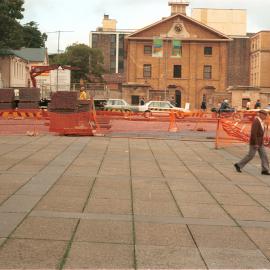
(100, 104)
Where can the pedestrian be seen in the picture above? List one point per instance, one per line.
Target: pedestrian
(142, 102)
(257, 104)
(203, 105)
(256, 144)
(248, 105)
(82, 94)
(172, 101)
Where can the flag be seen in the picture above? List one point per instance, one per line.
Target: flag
(176, 48)
(157, 47)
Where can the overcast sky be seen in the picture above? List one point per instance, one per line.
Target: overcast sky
(83, 16)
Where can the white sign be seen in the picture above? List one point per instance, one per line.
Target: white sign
(60, 80)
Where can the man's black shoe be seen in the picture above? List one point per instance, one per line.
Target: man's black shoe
(265, 172)
(237, 167)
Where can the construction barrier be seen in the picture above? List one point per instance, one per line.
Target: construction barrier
(231, 131)
(227, 128)
(71, 123)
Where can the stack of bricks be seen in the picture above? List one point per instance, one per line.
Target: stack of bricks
(83, 105)
(64, 101)
(7, 97)
(29, 98)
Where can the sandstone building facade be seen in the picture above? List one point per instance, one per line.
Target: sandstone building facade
(199, 73)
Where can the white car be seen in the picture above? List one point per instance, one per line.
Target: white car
(119, 105)
(159, 107)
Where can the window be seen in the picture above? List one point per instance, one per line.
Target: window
(147, 49)
(112, 51)
(113, 39)
(207, 50)
(207, 72)
(147, 71)
(177, 71)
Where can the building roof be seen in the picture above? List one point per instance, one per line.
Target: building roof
(29, 54)
(32, 54)
(182, 16)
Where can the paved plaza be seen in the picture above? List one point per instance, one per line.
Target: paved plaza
(118, 203)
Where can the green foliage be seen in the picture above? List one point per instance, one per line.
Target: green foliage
(10, 29)
(32, 36)
(12, 34)
(80, 55)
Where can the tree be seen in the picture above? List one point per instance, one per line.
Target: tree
(80, 55)
(10, 29)
(32, 36)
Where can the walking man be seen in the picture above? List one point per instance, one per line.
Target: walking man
(256, 144)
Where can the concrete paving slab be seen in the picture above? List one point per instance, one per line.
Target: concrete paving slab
(9, 188)
(75, 181)
(111, 193)
(223, 188)
(31, 254)
(155, 234)
(221, 237)
(192, 197)
(152, 195)
(183, 186)
(208, 211)
(100, 256)
(99, 231)
(109, 206)
(33, 190)
(250, 212)
(19, 204)
(256, 189)
(2, 240)
(234, 199)
(8, 222)
(60, 203)
(261, 236)
(168, 257)
(222, 258)
(45, 229)
(3, 198)
(113, 183)
(15, 178)
(69, 191)
(155, 208)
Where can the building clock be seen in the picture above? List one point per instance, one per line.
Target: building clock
(178, 28)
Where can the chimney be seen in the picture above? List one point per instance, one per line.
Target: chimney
(108, 24)
(178, 6)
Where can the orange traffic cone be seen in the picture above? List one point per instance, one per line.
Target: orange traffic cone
(173, 127)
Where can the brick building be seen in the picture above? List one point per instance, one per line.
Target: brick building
(198, 72)
(111, 42)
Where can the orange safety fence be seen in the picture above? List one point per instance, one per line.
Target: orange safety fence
(235, 130)
(20, 122)
(127, 123)
(23, 114)
(71, 123)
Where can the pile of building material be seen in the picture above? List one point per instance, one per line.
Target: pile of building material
(83, 105)
(29, 98)
(7, 98)
(64, 101)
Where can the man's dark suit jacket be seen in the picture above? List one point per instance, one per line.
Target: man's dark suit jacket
(257, 132)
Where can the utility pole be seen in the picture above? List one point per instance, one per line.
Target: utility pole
(58, 49)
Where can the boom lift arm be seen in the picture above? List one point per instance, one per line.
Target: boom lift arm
(37, 70)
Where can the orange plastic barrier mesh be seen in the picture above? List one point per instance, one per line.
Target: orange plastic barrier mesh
(231, 131)
(71, 123)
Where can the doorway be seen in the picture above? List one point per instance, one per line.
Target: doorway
(178, 98)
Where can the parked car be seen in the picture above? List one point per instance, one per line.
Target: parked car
(119, 105)
(159, 107)
(100, 104)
